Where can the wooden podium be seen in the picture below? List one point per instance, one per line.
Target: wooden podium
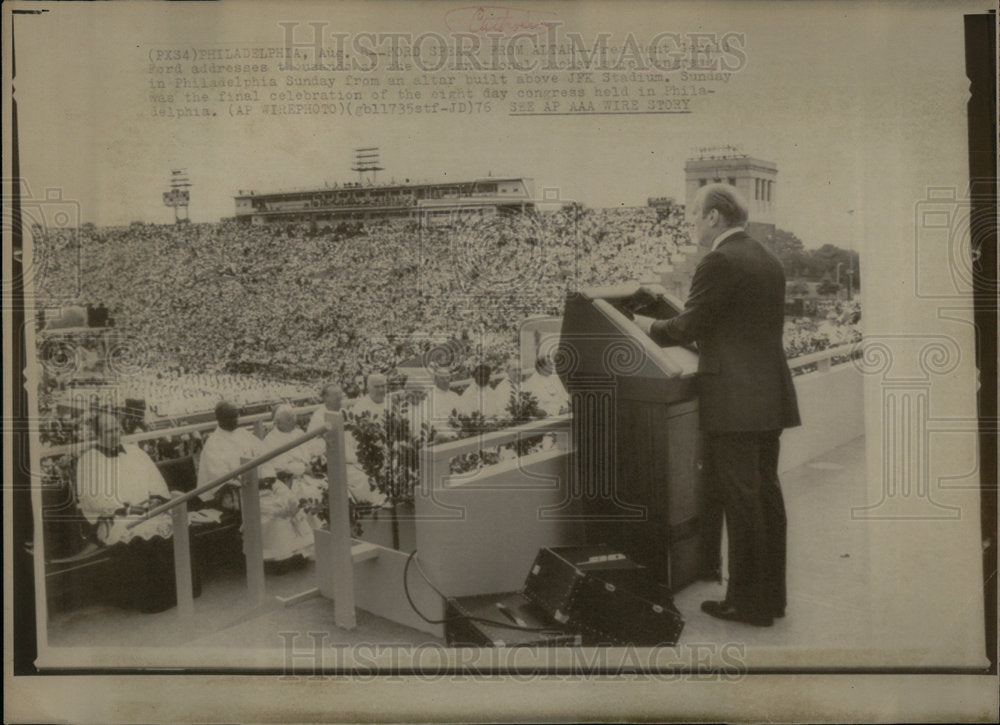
(636, 440)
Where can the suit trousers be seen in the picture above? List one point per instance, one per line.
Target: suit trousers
(742, 472)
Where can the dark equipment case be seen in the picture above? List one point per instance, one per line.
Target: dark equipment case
(519, 623)
(599, 590)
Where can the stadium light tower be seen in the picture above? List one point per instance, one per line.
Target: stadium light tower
(179, 195)
(366, 161)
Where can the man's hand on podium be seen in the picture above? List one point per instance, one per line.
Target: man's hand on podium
(642, 300)
(644, 297)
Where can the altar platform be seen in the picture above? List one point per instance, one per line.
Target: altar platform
(829, 585)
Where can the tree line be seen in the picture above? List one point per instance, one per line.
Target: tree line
(819, 264)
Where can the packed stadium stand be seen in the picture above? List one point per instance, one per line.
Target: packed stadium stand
(252, 311)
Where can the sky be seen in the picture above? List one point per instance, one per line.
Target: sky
(822, 83)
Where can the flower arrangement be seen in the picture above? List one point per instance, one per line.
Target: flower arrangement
(521, 408)
(389, 450)
(320, 508)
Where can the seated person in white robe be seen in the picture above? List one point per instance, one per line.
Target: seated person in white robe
(440, 404)
(479, 396)
(415, 403)
(294, 466)
(550, 393)
(357, 479)
(117, 483)
(507, 394)
(332, 396)
(286, 529)
(374, 403)
(508, 389)
(548, 388)
(224, 451)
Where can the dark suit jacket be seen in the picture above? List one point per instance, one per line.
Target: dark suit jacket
(735, 312)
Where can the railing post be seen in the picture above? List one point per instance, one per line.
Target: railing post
(182, 560)
(253, 543)
(344, 615)
(823, 366)
(428, 469)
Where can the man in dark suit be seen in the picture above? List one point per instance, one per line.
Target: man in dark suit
(735, 313)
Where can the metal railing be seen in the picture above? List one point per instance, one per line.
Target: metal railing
(238, 471)
(81, 446)
(339, 523)
(823, 359)
(495, 438)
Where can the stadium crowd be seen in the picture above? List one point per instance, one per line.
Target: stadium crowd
(301, 302)
(253, 313)
(836, 325)
(172, 393)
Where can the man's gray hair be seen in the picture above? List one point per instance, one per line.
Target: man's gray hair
(283, 410)
(726, 200)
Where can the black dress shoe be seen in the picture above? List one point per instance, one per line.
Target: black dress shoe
(725, 610)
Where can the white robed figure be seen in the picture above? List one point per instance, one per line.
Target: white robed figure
(547, 388)
(225, 450)
(374, 405)
(357, 479)
(117, 483)
(286, 528)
